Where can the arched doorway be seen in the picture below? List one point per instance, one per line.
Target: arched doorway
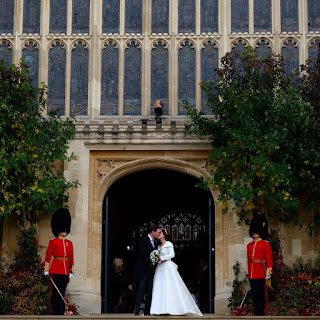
(172, 200)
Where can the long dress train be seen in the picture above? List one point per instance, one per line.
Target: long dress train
(169, 294)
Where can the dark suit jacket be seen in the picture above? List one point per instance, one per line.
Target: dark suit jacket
(143, 265)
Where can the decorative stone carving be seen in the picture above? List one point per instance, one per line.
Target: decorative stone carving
(104, 167)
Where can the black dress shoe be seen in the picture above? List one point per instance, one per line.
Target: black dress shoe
(136, 314)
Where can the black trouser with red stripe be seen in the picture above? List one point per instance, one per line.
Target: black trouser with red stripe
(259, 296)
(57, 304)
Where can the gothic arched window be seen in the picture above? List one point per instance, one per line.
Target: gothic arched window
(80, 16)
(31, 55)
(187, 16)
(57, 78)
(132, 79)
(186, 76)
(209, 16)
(209, 62)
(6, 53)
(314, 15)
(160, 76)
(313, 50)
(133, 16)
(111, 16)
(289, 16)
(160, 16)
(238, 48)
(109, 79)
(239, 16)
(6, 16)
(263, 49)
(58, 16)
(79, 80)
(290, 52)
(31, 16)
(262, 15)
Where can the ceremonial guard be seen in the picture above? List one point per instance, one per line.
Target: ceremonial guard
(62, 265)
(260, 263)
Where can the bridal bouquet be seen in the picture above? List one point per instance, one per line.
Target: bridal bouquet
(154, 256)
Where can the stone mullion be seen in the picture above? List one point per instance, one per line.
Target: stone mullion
(303, 30)
(147, 77)
(198, 77)
(251, 16)
(121, 77)
(122, 16)
(143, 77)
(69, 17)
(276, 25)
(198, 16)
(225, 10)
(17, 30)
(68, 79)
(174, 76)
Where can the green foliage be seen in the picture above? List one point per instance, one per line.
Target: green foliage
(23, 288)
(265, 139)
(31, 144)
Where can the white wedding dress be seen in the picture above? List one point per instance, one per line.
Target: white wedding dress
(169, 294)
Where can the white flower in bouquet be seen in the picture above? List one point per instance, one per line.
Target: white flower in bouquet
(154, 256)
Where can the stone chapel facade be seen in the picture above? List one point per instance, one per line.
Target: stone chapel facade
(106, 62)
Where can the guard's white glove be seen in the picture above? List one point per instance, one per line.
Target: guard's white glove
(71, 275)
(268, 277)
(46, 273)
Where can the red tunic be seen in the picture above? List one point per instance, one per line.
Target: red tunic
(60, 247)
(259, 250)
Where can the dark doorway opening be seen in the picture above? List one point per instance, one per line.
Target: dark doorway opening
(172, 200)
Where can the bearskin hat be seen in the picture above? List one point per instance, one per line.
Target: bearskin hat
(60, 221)
(259, 225)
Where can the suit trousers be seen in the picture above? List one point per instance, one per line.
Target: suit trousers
(144, 287)
(57, 304)
(258, 289)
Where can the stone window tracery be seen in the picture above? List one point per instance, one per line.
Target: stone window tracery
(290, 52)
(6, 53)
(6, 16)
(109, 79)
(160, 16)
(31, 16)
(262, 15)
(160, 76)
(132, 79)
(186, 76)
(31, 55)
(289, 16)
(313, 50)
(239, 16)
(209, 62)
(187, 16)
(79, 79)
(209, 16)
(110, 16)
(263, 49)
(56, 78)
(133, 22)
(58, 16)
(80, 16)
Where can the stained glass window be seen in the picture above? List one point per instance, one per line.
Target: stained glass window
(109, 80)
(238, 48)
(160, 76)
(132, 79)
(160, 16)
(58, 16)
(314, 15)
(31, 16)
(263, 49)
(6, 16)
(187, 16)
(56, 78)
(239, 16)
(111, 16)
(31, 55)
(80, 16)
(133, 16)
(290, 52)
(313, 50)
(79, 80)
(186, 76)
(6, 53)
(209, 16)
(262, 15)
(289, 16)
(209, 62)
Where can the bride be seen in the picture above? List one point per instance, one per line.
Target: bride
(169, 294)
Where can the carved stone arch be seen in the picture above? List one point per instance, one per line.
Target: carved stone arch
(129, 42)
(234, 42)
(7, 41)
(62, 42)
(184, 40)
(294, 40)
(204, 42)
(115, 43)
(266, 39)
(27, 42)
(312, 41)
(75, 42)
(155, 42)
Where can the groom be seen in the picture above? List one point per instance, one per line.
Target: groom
(144, 271)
